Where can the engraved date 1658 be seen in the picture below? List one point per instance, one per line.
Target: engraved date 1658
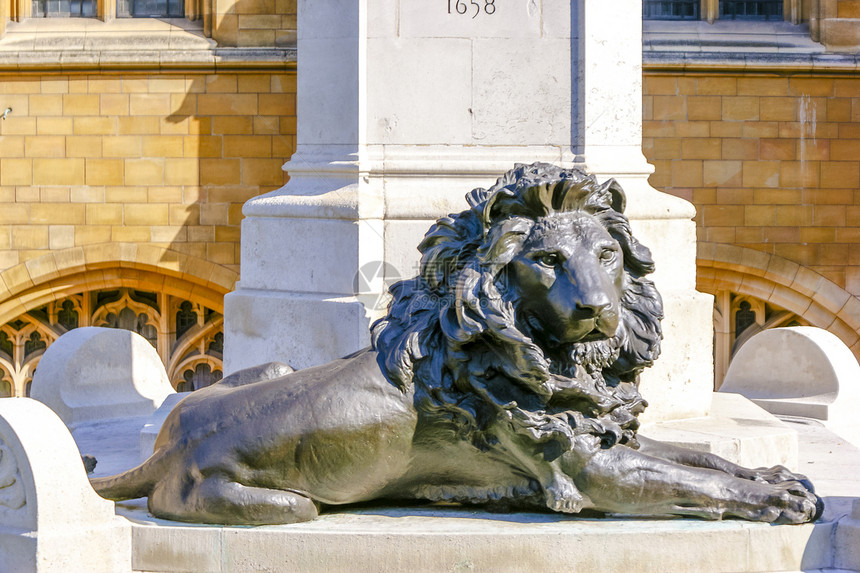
(462, 7)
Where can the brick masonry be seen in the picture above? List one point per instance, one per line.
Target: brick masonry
(772, 162)
(160, 159)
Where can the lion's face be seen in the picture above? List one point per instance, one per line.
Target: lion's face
(541, 279)
(568, 277)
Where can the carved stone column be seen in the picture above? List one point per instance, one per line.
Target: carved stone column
(403, 107)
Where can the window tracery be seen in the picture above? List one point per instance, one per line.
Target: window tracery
(187, 335)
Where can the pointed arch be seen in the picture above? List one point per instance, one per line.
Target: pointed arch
(59, 273)
(817, 300)
(42, 289)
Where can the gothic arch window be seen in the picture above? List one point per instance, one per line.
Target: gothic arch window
(34, 344)
(67, 316)
(744, 317)
(7, 347)
(188, 338)
(186, 318)
(216, 347)
(200, 376)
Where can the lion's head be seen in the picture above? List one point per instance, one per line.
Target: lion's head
(533, 301)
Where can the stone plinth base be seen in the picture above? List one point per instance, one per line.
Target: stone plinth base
(299, 329)
(453, 539)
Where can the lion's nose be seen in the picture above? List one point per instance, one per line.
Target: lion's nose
(592, 304)
(588, 292)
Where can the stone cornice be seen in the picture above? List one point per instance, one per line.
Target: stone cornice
(218, 59)
(735, 62)
(89, 45)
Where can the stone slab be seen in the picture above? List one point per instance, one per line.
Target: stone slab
(452, 539)
(397, 539)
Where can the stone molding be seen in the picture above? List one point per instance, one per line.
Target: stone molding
(218, 59)
(684, 62)
(122, 44)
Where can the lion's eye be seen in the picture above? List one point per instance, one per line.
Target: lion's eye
(608, 255)
(549, 259)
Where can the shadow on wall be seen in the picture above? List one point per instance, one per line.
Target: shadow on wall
(240, 131)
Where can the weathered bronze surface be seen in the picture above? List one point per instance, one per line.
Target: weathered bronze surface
(504, 374)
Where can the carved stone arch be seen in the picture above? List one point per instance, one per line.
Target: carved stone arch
(105, 292)
(188, 286)
(127, 312)
(814, 299)
(195, 372)
(112, 256)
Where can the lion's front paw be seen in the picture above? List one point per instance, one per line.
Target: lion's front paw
(792, 502)
(775, 475)
(563, 496)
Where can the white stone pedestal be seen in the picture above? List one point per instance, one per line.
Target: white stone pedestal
(93, 373)
(51, 520)
(404, 107)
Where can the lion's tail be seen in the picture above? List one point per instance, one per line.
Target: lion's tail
(136, 482)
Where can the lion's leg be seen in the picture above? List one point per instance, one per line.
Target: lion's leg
(219, 500)
(623, 480)
(693, 458)
(559, 490)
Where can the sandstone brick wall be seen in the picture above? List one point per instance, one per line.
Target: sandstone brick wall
(160, 159)
(772, 162)
(254, 23)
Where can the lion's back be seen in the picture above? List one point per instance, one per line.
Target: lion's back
(336, 431)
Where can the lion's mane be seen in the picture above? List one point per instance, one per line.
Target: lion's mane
(452, 331)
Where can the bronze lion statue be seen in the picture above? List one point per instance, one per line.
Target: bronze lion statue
(504, 374)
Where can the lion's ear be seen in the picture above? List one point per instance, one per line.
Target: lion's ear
(477, 196)
(618, 200)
